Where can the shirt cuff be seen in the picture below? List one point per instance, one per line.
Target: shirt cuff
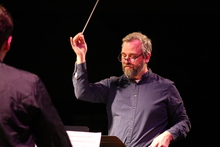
(79, 68)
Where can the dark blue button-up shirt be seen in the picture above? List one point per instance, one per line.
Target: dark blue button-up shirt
(137, 112)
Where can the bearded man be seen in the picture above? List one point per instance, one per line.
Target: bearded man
(143, 108)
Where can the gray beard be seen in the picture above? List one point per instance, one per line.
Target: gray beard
(134, 71)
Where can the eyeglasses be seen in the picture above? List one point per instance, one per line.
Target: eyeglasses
(131, 58)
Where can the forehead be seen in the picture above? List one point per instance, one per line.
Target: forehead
(132, 47)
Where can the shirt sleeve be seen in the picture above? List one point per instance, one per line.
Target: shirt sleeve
(91, 92)
(49, 130)
(180, 123)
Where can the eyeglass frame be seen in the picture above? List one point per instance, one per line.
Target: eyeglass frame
(128, 59)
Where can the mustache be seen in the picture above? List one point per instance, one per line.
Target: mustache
(130, 65)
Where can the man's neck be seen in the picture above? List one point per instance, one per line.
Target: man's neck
(1, 55)
(139, 76)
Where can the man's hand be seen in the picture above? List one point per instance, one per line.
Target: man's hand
(79, 46)
(163, 140)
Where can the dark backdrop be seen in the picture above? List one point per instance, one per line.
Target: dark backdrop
(185, 38)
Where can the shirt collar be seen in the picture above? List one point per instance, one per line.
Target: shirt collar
(147, 74)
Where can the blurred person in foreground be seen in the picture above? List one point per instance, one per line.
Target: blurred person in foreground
(27, 115)
(143, 108)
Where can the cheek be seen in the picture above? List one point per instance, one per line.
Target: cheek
(138, 62)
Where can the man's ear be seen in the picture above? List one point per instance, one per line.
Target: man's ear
(7, 44)
(147, 58)
(5, 48)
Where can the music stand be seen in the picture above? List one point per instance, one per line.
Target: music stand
(111, 141)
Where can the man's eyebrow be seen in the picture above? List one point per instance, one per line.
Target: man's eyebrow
(131, 54)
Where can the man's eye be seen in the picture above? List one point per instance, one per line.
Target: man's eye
(132, 56)
(123, 55)
(129, 56)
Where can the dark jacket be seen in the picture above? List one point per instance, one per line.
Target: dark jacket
(27, 115)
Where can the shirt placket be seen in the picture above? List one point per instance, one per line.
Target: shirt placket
(132, 116)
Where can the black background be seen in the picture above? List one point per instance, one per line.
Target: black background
(185, 38)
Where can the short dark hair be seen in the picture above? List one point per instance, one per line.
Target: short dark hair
(145, 41)
(6, 25)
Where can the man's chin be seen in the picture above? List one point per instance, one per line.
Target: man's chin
(128, 71)
(129, 74)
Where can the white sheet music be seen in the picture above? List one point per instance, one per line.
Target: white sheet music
(84, 139)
